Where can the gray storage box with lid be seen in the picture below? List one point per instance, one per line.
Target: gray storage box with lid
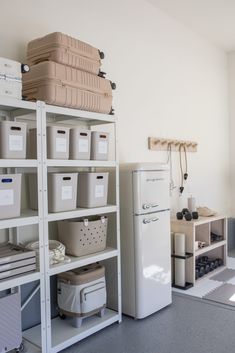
(99, 146)
(92, 189)
(12, 140)
(83, 237)
(80, 143)
(10, 195)
(62, 191)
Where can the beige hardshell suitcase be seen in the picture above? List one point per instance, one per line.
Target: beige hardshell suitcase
(66, 50)
(65, 86)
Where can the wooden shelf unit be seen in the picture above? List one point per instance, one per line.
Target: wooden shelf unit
(200, 230)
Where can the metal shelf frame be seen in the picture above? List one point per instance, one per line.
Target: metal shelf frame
(44, 336)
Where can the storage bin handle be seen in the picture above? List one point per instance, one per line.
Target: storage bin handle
(66, 178)
(99, 177)
(17, 128)
(103, 136)
(83, 134)
(61, 132)
(6, 180)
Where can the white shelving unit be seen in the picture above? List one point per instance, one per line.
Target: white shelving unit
(60, 334)
(11, 109)
(200, 230)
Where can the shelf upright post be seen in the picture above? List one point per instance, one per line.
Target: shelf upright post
(45, 228)
(39, 117)
(118, 225)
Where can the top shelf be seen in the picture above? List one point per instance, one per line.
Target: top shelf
(63, 113)
(11, 104)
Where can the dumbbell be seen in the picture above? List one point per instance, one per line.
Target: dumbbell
(201, 270)
(206, 266)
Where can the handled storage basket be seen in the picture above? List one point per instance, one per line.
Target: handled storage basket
(83, 237)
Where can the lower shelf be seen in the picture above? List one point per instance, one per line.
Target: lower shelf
(63, 334)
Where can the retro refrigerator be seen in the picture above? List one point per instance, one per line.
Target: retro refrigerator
(145, 238)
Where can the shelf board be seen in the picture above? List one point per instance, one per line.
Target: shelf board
(19, 280)
(18, 163)
(81, 212)
(64, 334)
(68, 113)
(11, 104)
(27, 217)
(199, 221)
(213, 246)
(80, 163)
(83, 261)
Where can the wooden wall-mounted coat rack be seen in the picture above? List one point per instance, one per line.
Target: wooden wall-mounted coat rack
(162, 144)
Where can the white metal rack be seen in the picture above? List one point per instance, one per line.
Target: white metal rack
(11, 109)
(55, 335)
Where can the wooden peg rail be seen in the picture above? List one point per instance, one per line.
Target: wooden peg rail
(162, 144)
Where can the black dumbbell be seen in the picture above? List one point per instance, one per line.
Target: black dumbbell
(188, 216)
(179, 215)
(195, 215)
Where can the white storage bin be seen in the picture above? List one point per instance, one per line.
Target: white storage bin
(82, 292)
(92, 189)
(62, 191)
(10, 68)
(10, 195)
(57, 142)
(83, 237)
(80, 144)
(99, 146)
(10, 88)
(12, 140)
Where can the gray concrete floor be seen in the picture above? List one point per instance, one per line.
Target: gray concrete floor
(187, 326)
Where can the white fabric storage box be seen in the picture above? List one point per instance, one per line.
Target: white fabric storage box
(92, 189)
(57, 142)
(80, 144)
(10, 78)
(99, 146)
(10, 195)
(62, 191)
(10, 68)
(12, 140)
(82, 292)
(83, 237)
(10, 88)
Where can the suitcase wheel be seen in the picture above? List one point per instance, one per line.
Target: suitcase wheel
(101, 54)
(24, 68)
(62, 316)
(111, 111)
(113, 85)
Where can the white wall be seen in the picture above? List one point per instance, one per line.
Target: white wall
(231, 67)
(170, 82)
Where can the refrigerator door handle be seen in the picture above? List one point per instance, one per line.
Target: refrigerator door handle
(149, 220)
(147, 206)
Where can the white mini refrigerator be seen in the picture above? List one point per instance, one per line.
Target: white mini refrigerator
(145, 238)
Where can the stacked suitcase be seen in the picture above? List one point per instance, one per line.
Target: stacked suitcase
(65, 71)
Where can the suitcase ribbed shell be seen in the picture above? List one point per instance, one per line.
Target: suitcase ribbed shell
(66, 50)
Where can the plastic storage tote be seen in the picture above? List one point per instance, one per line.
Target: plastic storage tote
(10, 195)
(80, 144)
(62, 191)
(12, 140)
(82, 292)
(57, 142)
(92, 189)
(83, 237)
(99, 146)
